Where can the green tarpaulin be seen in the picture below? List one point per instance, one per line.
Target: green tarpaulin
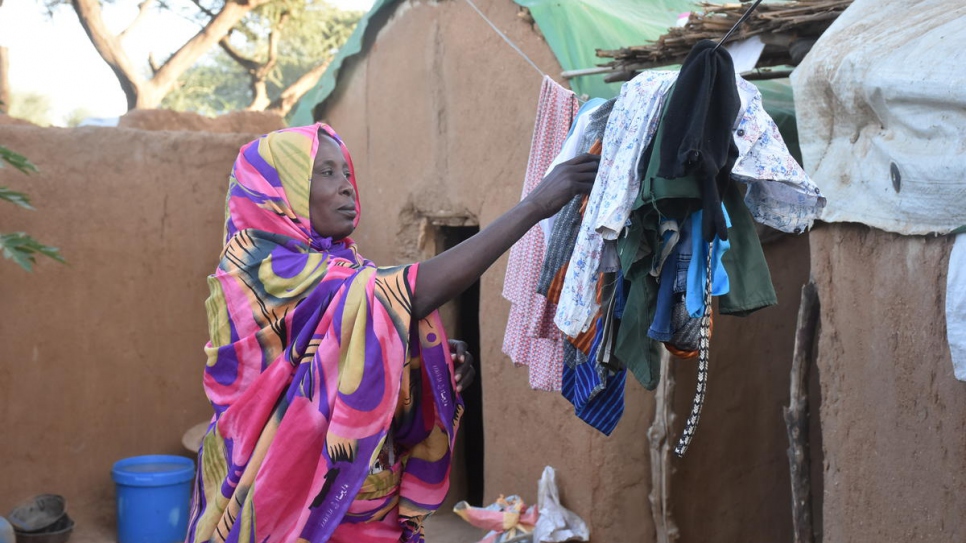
(575, 29)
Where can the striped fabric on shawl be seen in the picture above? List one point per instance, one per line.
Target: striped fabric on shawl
(335, 413)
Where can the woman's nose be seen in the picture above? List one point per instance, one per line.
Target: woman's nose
(346, 188)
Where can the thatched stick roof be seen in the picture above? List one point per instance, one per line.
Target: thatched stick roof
(787, 28)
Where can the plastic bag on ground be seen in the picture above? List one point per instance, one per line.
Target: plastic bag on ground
(508, 520)
(556, 523)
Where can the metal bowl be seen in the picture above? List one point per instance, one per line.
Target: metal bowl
(59, 532)
(38, 513)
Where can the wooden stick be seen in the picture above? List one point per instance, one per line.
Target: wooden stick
(796, 415)
(570, 74)
(657, 435)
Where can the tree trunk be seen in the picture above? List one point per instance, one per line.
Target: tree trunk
(260, 99)
(260, 73)
(4, 79)
(287, 100)
(147, 93)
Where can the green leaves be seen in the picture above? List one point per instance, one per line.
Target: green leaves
(16, 198)
(18, 246)
(24, 249)
(16, 160)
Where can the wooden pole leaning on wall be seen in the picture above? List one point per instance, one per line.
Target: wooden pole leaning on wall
(661, 447)
(797, 416)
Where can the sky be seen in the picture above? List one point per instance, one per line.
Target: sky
(53, 56)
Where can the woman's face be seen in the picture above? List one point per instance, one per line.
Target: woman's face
(332, 202)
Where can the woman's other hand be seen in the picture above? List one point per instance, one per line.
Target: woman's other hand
(463, 364)
(566, 180)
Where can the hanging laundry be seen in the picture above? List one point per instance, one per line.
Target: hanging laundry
(564, 233)
(590, 383)
(780, 194)
(956, 306)
(671, 285)
(570, 216)
(570, 149)
(597, 124)
(659, 200)
(789, 201)
(630, 126)
(688, 177)
(697, 274)
(543, 352)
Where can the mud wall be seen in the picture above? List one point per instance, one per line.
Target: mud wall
(102, 358)
(438, 113)
(893, 415)
(248, 122)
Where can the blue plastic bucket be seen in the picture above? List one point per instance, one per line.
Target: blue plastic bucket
(153, 495)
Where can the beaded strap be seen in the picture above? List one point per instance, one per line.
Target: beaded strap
(704, 352)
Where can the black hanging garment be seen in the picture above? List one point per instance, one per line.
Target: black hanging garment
(701, 113)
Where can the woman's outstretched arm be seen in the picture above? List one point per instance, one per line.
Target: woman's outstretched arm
(449, 273)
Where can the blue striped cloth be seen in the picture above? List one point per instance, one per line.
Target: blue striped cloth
(597, 393)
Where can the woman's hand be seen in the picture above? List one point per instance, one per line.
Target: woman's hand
(566, 180)
(463, 364)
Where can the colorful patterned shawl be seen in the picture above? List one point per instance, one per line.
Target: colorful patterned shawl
(313, 360)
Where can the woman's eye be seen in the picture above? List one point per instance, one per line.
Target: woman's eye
(348, 174)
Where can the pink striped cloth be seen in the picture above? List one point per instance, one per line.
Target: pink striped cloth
(531, 337)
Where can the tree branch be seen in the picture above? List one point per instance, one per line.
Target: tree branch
(109, 47)
(153, 63)
(250, 65)
(142, 13)
(203, 9)
(219, 26)
(288, 98)
(273, 40)
(259, 76)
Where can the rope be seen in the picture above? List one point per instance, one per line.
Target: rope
(506, 39)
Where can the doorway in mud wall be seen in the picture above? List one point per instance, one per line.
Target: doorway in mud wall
(461, 319)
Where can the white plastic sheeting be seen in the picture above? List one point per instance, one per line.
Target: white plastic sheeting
(956, 307)
(881, 107)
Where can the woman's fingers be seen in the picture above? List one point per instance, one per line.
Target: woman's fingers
(463, 361)
(465, 378)
(584, 157)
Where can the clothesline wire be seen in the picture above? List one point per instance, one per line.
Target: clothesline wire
(505, 38)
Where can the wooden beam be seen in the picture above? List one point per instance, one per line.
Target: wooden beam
(661, 447)
(797, 415)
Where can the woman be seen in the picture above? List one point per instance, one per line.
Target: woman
(331, 379)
